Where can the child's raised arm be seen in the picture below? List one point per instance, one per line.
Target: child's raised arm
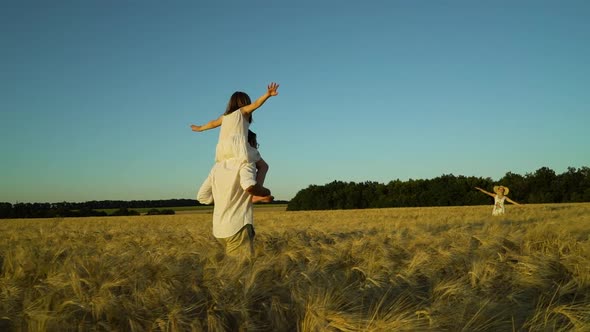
(271, 91)
(210, 125)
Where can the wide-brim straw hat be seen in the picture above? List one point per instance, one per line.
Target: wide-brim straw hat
(506, 190)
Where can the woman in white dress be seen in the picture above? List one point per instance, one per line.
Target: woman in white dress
(499, 199)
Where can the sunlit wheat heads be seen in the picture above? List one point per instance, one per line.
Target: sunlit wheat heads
(406, 269)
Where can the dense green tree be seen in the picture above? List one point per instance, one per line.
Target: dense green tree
(85, 209)
(125, 212)
(6, 210)
(542, 183)
(542, 186)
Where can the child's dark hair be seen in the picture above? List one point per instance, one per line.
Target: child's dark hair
(252, 138)
(236, 101)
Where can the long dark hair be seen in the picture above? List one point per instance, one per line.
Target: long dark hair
(236, 101)
(252, 139)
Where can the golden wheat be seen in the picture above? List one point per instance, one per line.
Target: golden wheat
(406, 269)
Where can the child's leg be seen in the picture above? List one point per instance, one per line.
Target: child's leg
(261, 170)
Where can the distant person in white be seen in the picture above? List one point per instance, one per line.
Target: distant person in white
(230, 186)
(499, 199)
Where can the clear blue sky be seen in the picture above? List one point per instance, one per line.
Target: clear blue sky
(97, 97)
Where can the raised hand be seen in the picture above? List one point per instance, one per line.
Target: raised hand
(196, 128)
(272, 89)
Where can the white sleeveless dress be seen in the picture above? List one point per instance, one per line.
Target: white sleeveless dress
(233, 139)
(498, 206)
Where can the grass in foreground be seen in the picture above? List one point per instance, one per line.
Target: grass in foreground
(414, 269)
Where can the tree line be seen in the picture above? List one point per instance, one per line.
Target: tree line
(47, 210)
(90, 208)
(95, 208)
(541, 186)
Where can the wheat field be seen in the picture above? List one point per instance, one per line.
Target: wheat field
(403, 269)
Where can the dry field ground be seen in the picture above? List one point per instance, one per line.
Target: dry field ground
(406, 269)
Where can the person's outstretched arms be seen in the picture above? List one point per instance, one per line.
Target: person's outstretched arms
(485, 192)
(271, 91)
(511, 201)
(209, 125)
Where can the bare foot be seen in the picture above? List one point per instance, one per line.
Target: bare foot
(262, 199)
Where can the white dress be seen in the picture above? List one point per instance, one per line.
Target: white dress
(233, 139)
(498, 206)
